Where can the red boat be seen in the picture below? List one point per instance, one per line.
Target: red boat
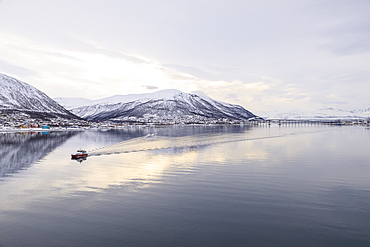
(79, 154)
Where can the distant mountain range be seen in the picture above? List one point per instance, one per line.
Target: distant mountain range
(166, 105)
(322, 113)
(162, 105)
(17, 96)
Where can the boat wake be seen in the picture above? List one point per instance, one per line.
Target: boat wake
(152, 142)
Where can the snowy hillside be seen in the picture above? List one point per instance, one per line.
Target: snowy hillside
(22, 97)
(162, 105)
(364, 113)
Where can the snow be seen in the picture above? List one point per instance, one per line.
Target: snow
(168, 94)
(164, 104)
(18, 95)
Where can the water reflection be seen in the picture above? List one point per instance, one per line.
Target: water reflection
(176, 154)
(178, 137)
(110, 136)
(132, 170)
(20, 150)
(79, 160)
(280, 187)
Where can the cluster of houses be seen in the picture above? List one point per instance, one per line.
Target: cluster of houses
(19, 120)
(170, 120)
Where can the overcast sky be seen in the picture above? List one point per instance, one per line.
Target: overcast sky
(264, 55)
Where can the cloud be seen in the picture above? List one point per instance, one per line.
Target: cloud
(11, 69)
(151, 87)
(90, 48)
(347, 49)
(261, 54)
(194, 71)
(231, 96)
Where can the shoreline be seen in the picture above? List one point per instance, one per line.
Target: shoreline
(4, 130)
(21, 130)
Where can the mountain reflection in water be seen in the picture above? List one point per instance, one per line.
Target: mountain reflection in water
(20, 150)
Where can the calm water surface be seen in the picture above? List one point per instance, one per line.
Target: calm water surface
(187, 186)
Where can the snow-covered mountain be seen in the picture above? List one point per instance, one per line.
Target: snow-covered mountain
(322, 113)
(162, 105)
(17, 96)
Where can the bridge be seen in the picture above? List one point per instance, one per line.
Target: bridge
(310, 122)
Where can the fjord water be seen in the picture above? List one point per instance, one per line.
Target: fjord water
(187, 186)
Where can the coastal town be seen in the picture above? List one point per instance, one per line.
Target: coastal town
(20, 121)
(23, 121)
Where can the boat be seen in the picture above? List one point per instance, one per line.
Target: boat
(79, 154)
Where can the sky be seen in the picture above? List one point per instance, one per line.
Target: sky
(266, 55)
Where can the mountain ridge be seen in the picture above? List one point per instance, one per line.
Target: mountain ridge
(18, 96)
(165, 104)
